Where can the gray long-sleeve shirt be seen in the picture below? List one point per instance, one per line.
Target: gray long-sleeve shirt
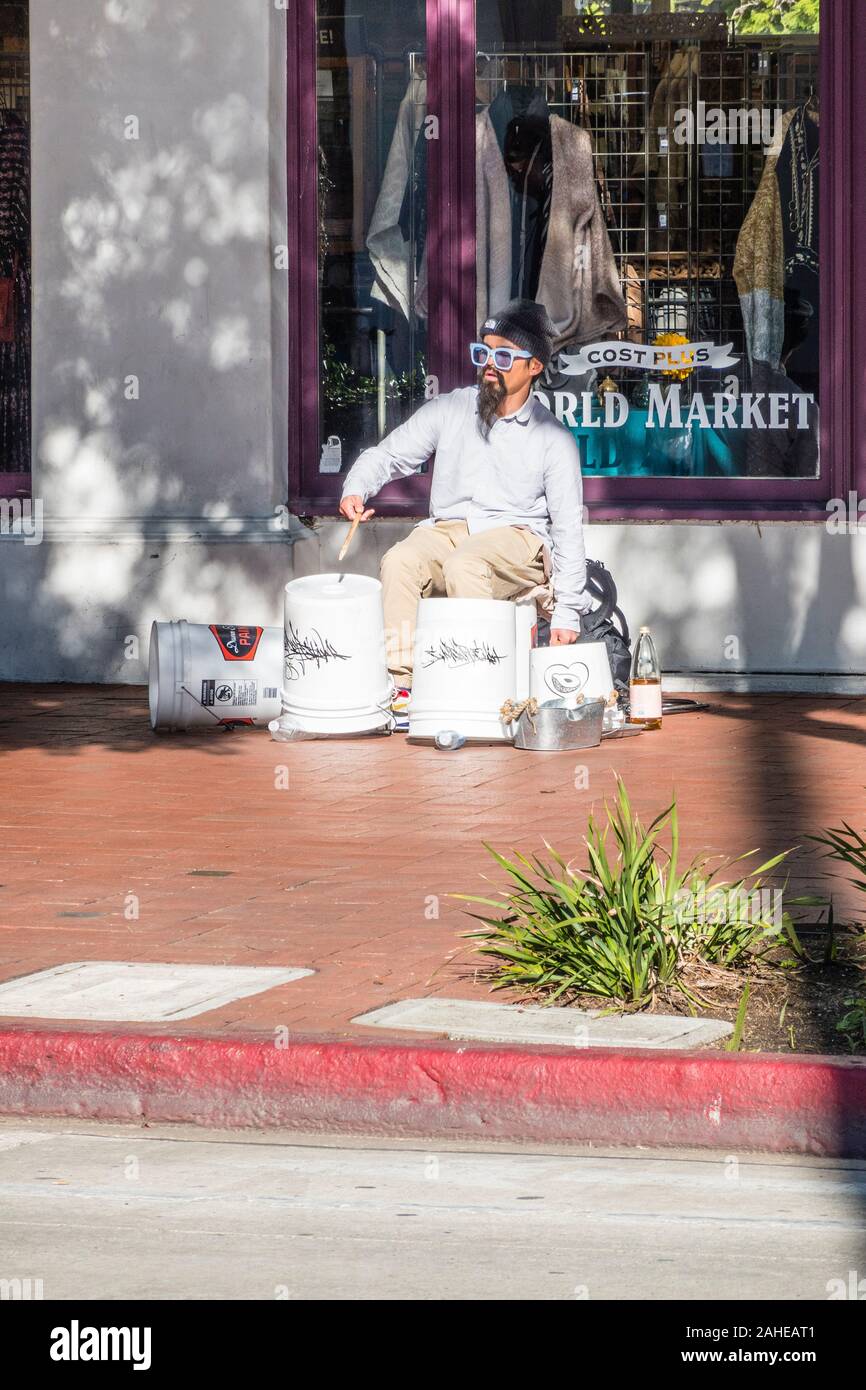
(525, 473)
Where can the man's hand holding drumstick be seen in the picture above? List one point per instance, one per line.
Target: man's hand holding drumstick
(353, 510)
(350, 507)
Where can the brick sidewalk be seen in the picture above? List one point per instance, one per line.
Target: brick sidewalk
(341, 870)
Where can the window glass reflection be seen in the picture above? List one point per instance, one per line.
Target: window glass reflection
(652, 179)
(371, 103)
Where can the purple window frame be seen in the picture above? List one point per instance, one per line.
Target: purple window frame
(451, 271)
(16, 485)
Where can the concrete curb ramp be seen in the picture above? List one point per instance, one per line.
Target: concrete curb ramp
(776, 1104)
(474, 1020)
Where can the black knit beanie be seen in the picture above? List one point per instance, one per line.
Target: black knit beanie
(526, 324)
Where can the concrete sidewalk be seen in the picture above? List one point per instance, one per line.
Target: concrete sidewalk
(339, 856)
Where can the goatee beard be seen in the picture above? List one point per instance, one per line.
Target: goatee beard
(490, 397)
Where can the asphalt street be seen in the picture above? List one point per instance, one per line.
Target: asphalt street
(111, 1212)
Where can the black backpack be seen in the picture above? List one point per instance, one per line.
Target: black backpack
(607, 624)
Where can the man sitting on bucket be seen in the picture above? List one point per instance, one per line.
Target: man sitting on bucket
(506, 484)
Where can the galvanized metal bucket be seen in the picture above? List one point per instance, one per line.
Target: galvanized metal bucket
(559, 729)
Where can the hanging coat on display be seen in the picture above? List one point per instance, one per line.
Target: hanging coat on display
(777, 249)
(520, 117)
(391, 251)
(578, 282)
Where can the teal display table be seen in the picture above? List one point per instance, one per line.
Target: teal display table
(633, 451)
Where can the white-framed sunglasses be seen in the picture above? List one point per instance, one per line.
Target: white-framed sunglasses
(502, 357)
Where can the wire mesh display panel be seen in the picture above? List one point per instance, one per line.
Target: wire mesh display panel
(674, 195)
(15, 84)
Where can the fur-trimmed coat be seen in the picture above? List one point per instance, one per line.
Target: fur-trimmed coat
(578, 284)
(759, 262)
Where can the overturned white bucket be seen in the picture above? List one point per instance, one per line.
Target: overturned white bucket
(582, 669)
(212, 675)
(335, 674)
(464, 668)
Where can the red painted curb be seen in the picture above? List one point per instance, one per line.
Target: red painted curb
(808, 1105)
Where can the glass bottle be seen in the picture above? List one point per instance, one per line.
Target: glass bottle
(645, 687)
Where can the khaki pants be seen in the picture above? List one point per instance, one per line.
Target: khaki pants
(445, 560)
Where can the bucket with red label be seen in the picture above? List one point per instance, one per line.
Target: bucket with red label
(213, 675)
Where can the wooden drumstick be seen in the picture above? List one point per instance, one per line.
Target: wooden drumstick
(348, 541)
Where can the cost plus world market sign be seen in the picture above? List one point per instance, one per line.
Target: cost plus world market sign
(653, 357)
(663, 403)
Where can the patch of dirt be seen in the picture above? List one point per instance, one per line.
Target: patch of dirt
(792, 1011)
(798, 1012)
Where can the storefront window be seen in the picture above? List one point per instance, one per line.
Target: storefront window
(372, 144)
(652, 178)
(14, 250)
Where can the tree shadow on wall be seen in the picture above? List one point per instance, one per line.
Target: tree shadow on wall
(155, 337)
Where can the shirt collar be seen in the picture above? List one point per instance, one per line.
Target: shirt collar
(521, 416)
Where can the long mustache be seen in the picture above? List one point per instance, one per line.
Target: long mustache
(490, 397)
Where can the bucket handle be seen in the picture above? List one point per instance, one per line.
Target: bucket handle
(385, 706)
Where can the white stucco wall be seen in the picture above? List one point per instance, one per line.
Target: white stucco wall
(790, 595)
(154, 258)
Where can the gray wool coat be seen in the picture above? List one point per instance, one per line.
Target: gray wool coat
(578, 285)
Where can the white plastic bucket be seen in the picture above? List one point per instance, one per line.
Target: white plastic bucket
(211, 675)
(464, 668)
(526, 618)
(335, 675)
(566, 672)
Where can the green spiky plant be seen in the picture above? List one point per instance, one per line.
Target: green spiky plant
(852, 1025)
(846, 846)
(735, 1041)
(621, 928)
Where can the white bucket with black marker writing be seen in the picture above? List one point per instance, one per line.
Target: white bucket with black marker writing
(526, 618)
(464, 668)
(579, 670)
(202, 675)
(335, 676)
